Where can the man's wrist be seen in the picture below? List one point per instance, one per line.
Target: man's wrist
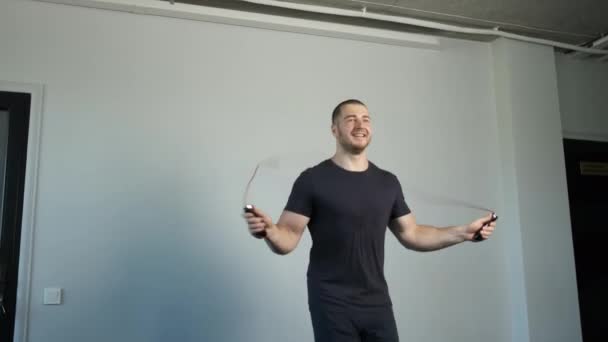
(271, 232)
(462, 232)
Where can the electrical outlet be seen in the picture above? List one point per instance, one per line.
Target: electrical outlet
(52, 296)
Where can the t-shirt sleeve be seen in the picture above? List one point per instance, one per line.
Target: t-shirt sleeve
(300, 199)
(400, 208)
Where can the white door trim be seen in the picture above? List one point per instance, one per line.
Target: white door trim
(28, 222)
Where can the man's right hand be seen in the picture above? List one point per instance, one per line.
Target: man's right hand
(258, 223)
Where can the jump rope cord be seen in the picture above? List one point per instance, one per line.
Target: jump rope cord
(246, 194)
(431, 198)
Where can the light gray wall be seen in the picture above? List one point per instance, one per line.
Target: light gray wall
(536, 194)
(583, 98)
(151, 127)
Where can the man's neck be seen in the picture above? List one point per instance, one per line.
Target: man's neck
(351, 162)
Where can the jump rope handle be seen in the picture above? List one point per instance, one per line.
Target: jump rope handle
(249, 209)
(477, 236)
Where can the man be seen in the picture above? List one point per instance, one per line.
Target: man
(347, 202)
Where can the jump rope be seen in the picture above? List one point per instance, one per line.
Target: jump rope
(274, 163)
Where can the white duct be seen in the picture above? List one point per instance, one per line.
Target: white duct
(259, 20)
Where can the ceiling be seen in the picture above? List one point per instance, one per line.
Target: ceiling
(569, 21)
(577, 22)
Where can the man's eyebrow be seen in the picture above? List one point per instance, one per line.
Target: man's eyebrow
(353, 115)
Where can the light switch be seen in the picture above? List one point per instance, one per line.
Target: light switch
(52, 296)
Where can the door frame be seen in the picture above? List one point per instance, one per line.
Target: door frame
(22, 308)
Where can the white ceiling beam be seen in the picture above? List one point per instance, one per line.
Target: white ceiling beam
(260, 20)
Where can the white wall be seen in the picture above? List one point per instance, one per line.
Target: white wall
(151, 127)
(536, 194)
(583, 100)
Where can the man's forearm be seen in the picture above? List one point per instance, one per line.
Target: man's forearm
(280, 239)
(429, 238)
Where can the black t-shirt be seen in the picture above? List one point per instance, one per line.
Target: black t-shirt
(349, 213)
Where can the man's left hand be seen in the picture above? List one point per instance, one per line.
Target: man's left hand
(485, 224)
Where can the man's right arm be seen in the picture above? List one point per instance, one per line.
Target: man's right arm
(282, 237)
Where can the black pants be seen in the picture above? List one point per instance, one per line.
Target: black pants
(377, 325)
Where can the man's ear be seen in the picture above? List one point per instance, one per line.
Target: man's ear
(334, 129)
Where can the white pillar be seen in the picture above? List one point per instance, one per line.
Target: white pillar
(544, 299)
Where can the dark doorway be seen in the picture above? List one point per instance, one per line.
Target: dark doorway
(14, 125)
(587, 174)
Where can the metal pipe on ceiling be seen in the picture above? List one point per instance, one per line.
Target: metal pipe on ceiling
(596, 50)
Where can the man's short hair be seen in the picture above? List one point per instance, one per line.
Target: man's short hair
(338, 109)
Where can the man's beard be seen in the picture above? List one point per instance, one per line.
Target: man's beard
(350, 148)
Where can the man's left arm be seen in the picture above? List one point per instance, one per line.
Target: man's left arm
(426, 238)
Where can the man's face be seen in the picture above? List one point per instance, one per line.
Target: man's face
(353, 128)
